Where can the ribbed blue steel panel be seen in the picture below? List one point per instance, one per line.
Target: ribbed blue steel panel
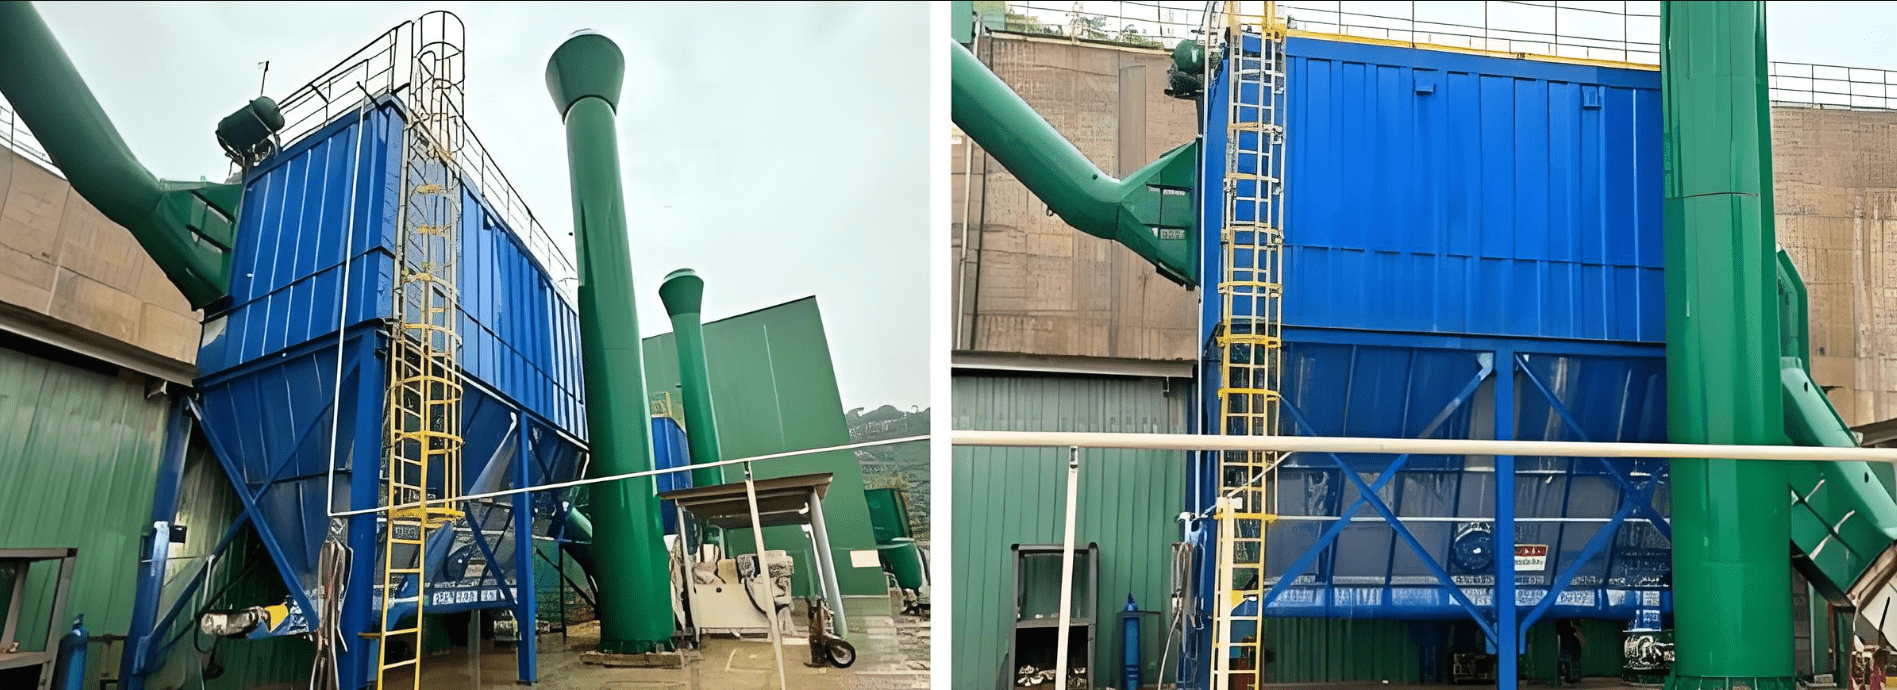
(519, 336)
(270, 360)
(294, 238)
(1438, 192)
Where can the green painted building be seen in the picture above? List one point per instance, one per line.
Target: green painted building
(774, 389)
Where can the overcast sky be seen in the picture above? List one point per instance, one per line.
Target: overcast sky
(779, 149)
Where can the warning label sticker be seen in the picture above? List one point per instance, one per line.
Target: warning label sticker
(1531, 557)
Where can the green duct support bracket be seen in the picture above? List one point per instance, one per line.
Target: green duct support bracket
(1149, 212)
(186, 227)
(1844, 521)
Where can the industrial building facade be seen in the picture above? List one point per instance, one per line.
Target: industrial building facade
(1043, 313)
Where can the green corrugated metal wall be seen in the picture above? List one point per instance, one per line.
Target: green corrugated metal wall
(1338, 650)
(1128, 504)
(774, 389)
(79, 452)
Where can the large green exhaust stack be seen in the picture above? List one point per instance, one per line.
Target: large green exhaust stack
(186, 227)
(584, 76)
(683, 293)
(1731, 577)
(1150, 211)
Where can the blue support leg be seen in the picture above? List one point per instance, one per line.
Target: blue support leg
(151, 571)
(355, 663)
(1507, 644)
(526, 608)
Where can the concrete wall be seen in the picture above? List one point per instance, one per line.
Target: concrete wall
(1836, 204)
(70, 277)
(1029, 283)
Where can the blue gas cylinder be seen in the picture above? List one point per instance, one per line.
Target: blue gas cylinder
(69, 671)
(1130, 644)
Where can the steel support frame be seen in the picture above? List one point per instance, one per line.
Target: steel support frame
(526, 590)
(157, 544)
(144, 651)
(1506, 627)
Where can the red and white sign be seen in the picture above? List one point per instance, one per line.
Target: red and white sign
(1531, 557)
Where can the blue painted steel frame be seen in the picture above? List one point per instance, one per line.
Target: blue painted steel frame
(145, 626)
(358, 615)
(1504, 626)
(526, 608)
(1507, 349)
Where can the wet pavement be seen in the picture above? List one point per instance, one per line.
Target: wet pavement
(892, 654)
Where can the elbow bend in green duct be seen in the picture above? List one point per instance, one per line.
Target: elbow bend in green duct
(186, 227)
(1150, 212)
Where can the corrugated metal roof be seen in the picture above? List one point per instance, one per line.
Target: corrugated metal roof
(1003, 496)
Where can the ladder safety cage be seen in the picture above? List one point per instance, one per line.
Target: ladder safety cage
(422, 427)
(1248, 336)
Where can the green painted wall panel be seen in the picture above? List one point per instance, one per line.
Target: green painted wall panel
(1128, 504)
(1329, 650)
(774, 389)
(78, 452)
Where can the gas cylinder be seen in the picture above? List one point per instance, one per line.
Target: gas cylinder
(69, 671)
(1130, 644)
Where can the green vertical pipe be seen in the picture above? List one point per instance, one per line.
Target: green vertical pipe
(1731, 574)
(683, 293)
(584, 77)
(186, 227)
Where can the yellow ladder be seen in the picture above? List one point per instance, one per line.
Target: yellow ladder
(422, 426)
(1249, 335)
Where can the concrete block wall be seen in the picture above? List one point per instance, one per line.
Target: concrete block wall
(69, 275)
(1835, 189)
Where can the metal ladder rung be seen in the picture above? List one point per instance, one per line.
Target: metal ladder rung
(1256, 288)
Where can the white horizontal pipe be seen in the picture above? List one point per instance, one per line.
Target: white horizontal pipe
(1439, 518)
(1417, 446)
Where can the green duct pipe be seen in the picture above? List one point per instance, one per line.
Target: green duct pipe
(584, 76)
(1731, 577)
(683, 293)
(1150, 211)
(186, 227)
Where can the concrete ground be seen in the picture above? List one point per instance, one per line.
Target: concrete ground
(1586, 684)
(892, 654)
